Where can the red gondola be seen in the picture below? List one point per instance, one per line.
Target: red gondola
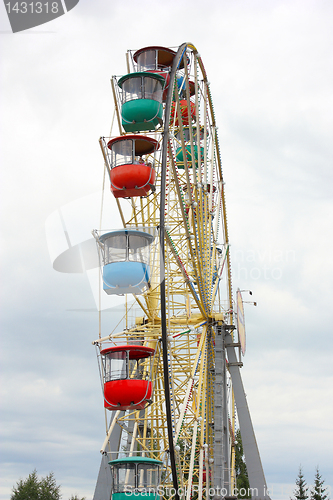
(127, 377)
(156, 60)
(131, 175)
(186, 115)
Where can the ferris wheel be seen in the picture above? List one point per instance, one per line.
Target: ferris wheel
(170, 377)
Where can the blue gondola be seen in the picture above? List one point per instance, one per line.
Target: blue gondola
(125, 255)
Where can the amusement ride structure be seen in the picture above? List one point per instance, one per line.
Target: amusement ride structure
(171, 376)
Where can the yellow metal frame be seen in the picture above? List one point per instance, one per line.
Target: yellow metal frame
(196, 225)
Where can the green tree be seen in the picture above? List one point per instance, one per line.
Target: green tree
(301, 492)
(242, 478)
(33, 488)
(75, 497)
(318, 492)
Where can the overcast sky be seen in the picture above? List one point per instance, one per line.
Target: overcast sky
(270, 68)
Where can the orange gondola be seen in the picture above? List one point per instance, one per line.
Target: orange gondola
(130, 174)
